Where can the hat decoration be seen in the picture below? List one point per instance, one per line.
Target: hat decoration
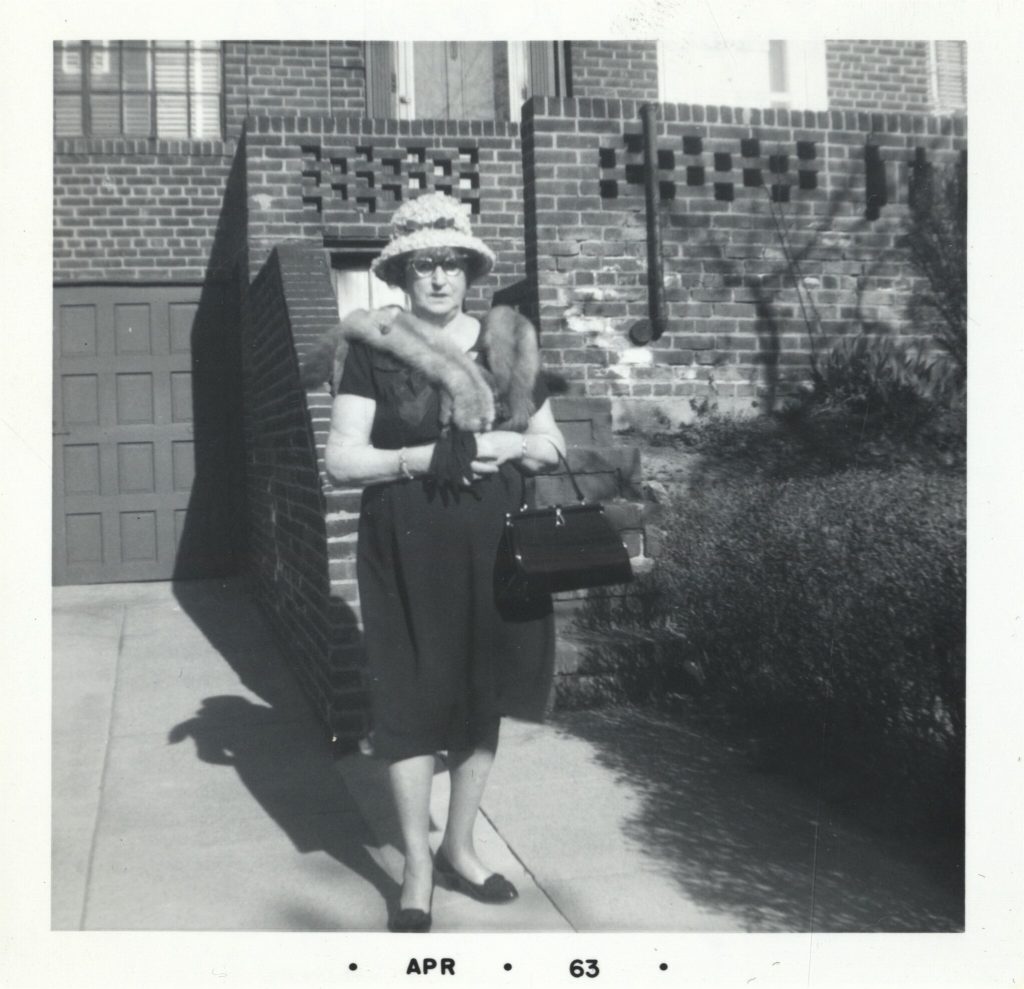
(434, 220)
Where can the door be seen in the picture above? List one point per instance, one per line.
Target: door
(454, 80)
(141, 485)
(356, 287)
(460, 80)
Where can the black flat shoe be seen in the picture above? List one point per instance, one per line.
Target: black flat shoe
(409, 920)
(494, 889)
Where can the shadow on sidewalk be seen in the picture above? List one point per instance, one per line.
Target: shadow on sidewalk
(278, 751)
(757, 846)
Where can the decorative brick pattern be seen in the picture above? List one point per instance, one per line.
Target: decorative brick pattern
(879, 75)
(741, 193)
(332, 181)
(375, 179)
(683, 164)
(614, 69)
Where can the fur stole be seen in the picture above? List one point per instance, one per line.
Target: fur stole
(473, 398)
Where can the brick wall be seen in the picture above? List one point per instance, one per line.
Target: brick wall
(292, 77)
(332, 181)
(879, 75)
(132, 209)
(301, 533)
(329, 77)
(728, 181)
(614, 69)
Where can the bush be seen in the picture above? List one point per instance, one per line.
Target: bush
(937, 240)
(809, 440)
(873, 375)
(826, 612)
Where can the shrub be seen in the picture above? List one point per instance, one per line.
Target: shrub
(827, 612)
(865, 374)
(937, 240)
(809, 440)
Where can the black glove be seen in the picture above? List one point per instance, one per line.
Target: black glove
(451, 466)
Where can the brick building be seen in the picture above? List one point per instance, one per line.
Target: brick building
(215, 204)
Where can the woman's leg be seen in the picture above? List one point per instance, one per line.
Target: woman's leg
(410, 785)
(469, 770)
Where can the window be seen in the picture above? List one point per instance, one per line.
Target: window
(949, 76)
(461, 80)
(761, 74)
(138, 89)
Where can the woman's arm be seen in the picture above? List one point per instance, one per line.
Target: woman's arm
(534, 450)
(351, 459)
(541, 437)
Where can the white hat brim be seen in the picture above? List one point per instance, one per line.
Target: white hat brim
(385, 266)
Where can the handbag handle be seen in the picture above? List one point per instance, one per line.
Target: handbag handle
(565, 463)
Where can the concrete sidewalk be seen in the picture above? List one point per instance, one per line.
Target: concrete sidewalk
(194, 790)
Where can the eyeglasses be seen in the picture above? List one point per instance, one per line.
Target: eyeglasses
(423, 267)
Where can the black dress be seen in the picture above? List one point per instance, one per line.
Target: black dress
(445, 662)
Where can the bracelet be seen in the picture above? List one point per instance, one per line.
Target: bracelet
(522, 451)
(403, 466)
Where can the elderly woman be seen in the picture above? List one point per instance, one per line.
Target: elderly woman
(438, 416)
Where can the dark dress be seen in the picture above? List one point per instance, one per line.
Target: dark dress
(445, 662)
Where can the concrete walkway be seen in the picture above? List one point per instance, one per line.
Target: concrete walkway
(194, 790)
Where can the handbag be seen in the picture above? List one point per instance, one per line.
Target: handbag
(558, 548)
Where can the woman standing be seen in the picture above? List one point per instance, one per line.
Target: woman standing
(438, 416)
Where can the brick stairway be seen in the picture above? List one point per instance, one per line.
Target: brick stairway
(609, 472)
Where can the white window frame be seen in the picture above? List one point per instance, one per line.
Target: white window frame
(938, 107)
(405, 78)
(805, 71)
(779, 97)
(198, 111)
(99, 58)
(807, 75)
(518, 76)
(70, 58)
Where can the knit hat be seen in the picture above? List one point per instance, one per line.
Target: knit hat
(430, 221)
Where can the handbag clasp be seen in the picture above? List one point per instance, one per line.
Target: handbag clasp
(559, 518)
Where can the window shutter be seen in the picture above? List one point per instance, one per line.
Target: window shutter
(950, 75)
(542, 69)
(380, 79)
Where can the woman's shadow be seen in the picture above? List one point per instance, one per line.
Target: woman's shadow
(277, 749)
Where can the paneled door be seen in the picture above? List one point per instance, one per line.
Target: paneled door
(461, 80)
(126, 498)
(455, 80)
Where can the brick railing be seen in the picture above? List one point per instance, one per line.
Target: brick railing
(301, 531)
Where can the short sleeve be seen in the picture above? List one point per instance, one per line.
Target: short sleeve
(357, 373)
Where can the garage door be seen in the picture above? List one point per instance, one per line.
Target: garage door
(141, 486)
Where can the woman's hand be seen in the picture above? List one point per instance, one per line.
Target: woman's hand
(543, 441)
(495, 448)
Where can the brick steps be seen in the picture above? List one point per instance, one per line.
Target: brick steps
(601, 472)
(584, 421)
(607, 471)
